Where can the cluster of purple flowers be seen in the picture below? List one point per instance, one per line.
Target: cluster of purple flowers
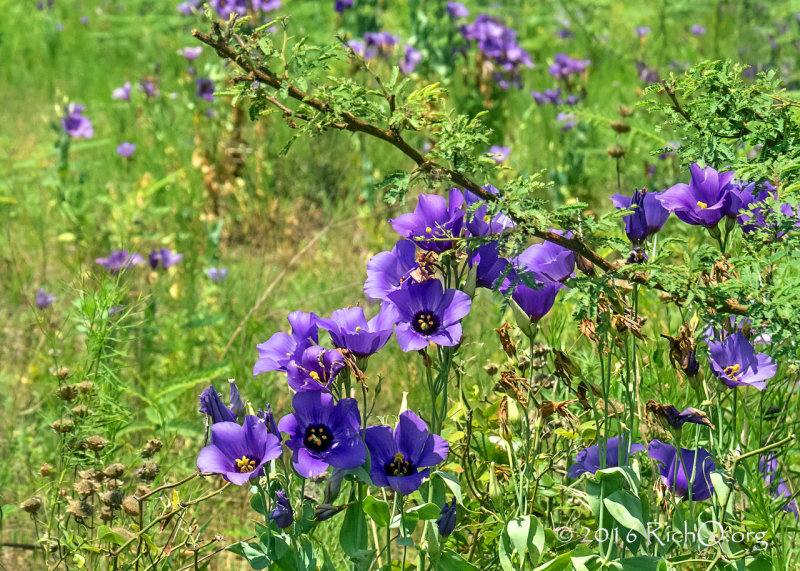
(381, 45)
(498, 44)
(224, 8)
(119, 260)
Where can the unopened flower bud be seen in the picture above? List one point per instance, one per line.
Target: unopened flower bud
(81, 411)
(32, 505)
(61, 372)
(491, 369)
(85, 387)
(327, 511)
(495, 491)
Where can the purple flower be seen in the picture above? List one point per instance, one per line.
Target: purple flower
(342, 5)
(115, 309)
(148, 87)
(705, 200)
(44, 299)
(690, 415)
(768, 468)
(498, 154)
(671, 150)
(547, 96)
(732, 325)
(672, 468)
(388, 271)
(126, 150)
(281, 349)
(205, 88)
(225, 8)
(499, 44)
(411, 57)
(433, 217)
(119, 260)
(735, 362)
(648, 215)
(564, 66)
(191, 53)
(167, 258)
(426, 314)
(490, 265)
(314, 369)
(268, 418)
(282, 515)
(323, 434)
(642, 31)
(477, 222)
(536, 303)
(217, 274)
(588, 459)
(567, 119)
(239, 452)
(212, 405)
(446, 522)
(382, 41)
(75, 124)
(546, 261)
(360, 48)
(349, 329)
(402, 460)
(123, 93)
(189, 7)
(698, 30)
(266, 5)
(457, 10)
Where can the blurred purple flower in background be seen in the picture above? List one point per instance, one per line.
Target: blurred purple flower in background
(642, 31)
(44, 299)
(498, 154)
(75, 123)
(342, 5)
(189, 7)
(499, 44)
(126, 150)
(191, 53)
(148, 87)
(411, 57)
(217, 274)
(768, 468)
(123, 93)
(164, 257)
(457, 10)
(205, 88)
(567, 119)
(119, 260)
(698, 30)
(564, 66)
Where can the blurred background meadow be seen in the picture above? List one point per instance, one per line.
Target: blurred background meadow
(262, 232)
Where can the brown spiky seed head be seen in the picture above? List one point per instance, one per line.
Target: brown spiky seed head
(80, 509)
(130, 506)
(151, 448)
(115, 484)
(67, 392)
(96, 443)
(63, 426)
(81, 411)
(32, 505)
(106, 514)
(45, 470)
(85, 387)
(114, 470)
(148, 471)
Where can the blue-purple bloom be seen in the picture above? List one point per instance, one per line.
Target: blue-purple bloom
(402, 460)
(148, 87)
(564, 66)
(546, 261)
(689, 415)
(281, 349)
(126, 150)
(673, 465)
(205, 88)
(548, 96)
(642, 31)
(567, 120)
(648, 215)
(44, 299)
(314, 369)
(490, 266)
(119, 260)
(75, 123)
(239, 452)
(617, 452)
(191, 53)
(123, 93)
(212, 405)
(446, 521)
(115, 309)
(217, 274)
(282, 515)
(411, 58)
(499, 44)
(349, 329)
(457, 10)
(433, 217)
(735, 362)
(426, 313)
(342, 5)
(189, 7)
(478, 223)
(388, 271)
(499, 154)
(768, 468)
(323, 434)
(705, 200)
(698, 30)
(164, 257)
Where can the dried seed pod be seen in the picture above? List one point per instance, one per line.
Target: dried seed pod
(615, 151)
(491, 369)
(115, 484)
(625, 111)
(91, 474)
(67, 392)
(85, 387)
(151, 448)
(84, 487)
(142, 490)
(114, 470)
(80, 509)
(130, 506)
(113, 499)
(105, 514)
(81, 411)
(32, 505)
(63, 426)
(45, 470)
(620, 126)
(96, 443)
(148, 471)
(61, 372)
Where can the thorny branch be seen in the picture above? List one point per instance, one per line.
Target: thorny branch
(347, 121)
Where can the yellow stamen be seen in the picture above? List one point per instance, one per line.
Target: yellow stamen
(314, 375)
(244, 464)
(428, 229)
(702, 205)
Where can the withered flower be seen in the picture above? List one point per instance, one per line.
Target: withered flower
(32, 505)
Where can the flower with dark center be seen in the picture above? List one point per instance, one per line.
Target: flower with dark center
(165, 257)
(768, 468)
(75, 124)
(648, 215)
(278, 351)
(447, 519)
(735, 362)
(119, 260)
(349, 329)
(389, 271)
(616, 454)
(323, 434)
(433, 218)
(314, 369)
(282, 515)
(673, 465)
(239, 452)
(706, 200)
(425, 314)
(402, 460)
(44, 299)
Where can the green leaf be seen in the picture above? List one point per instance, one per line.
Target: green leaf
(627, 510)
(353, 535)
(377, 510)
(450, 561)
(452, 483)
(426, 511)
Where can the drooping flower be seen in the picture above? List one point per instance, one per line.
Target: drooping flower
(648, 215)
(446, 521)
(44, 299)
(239, 452)
(457, 10)
(670, 417)
(478, 222)
(433, 217)
(388, 271)
(426, 313)
(735, 362)
(490, 265)
(191, 53)
(119, 260)
(75, 123)
(323, 434)
(617, 452)
(165, 257)
(212, 405)
(278, 351)
(217, 274)
(282, 515)
(126, 150)
(411, 58)
(499, 154)
(402, 460)
(314, 369)
(768, 468)
(349, 329)
(205, 88)
(705, 200)
(673, 466)
(123, 93)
